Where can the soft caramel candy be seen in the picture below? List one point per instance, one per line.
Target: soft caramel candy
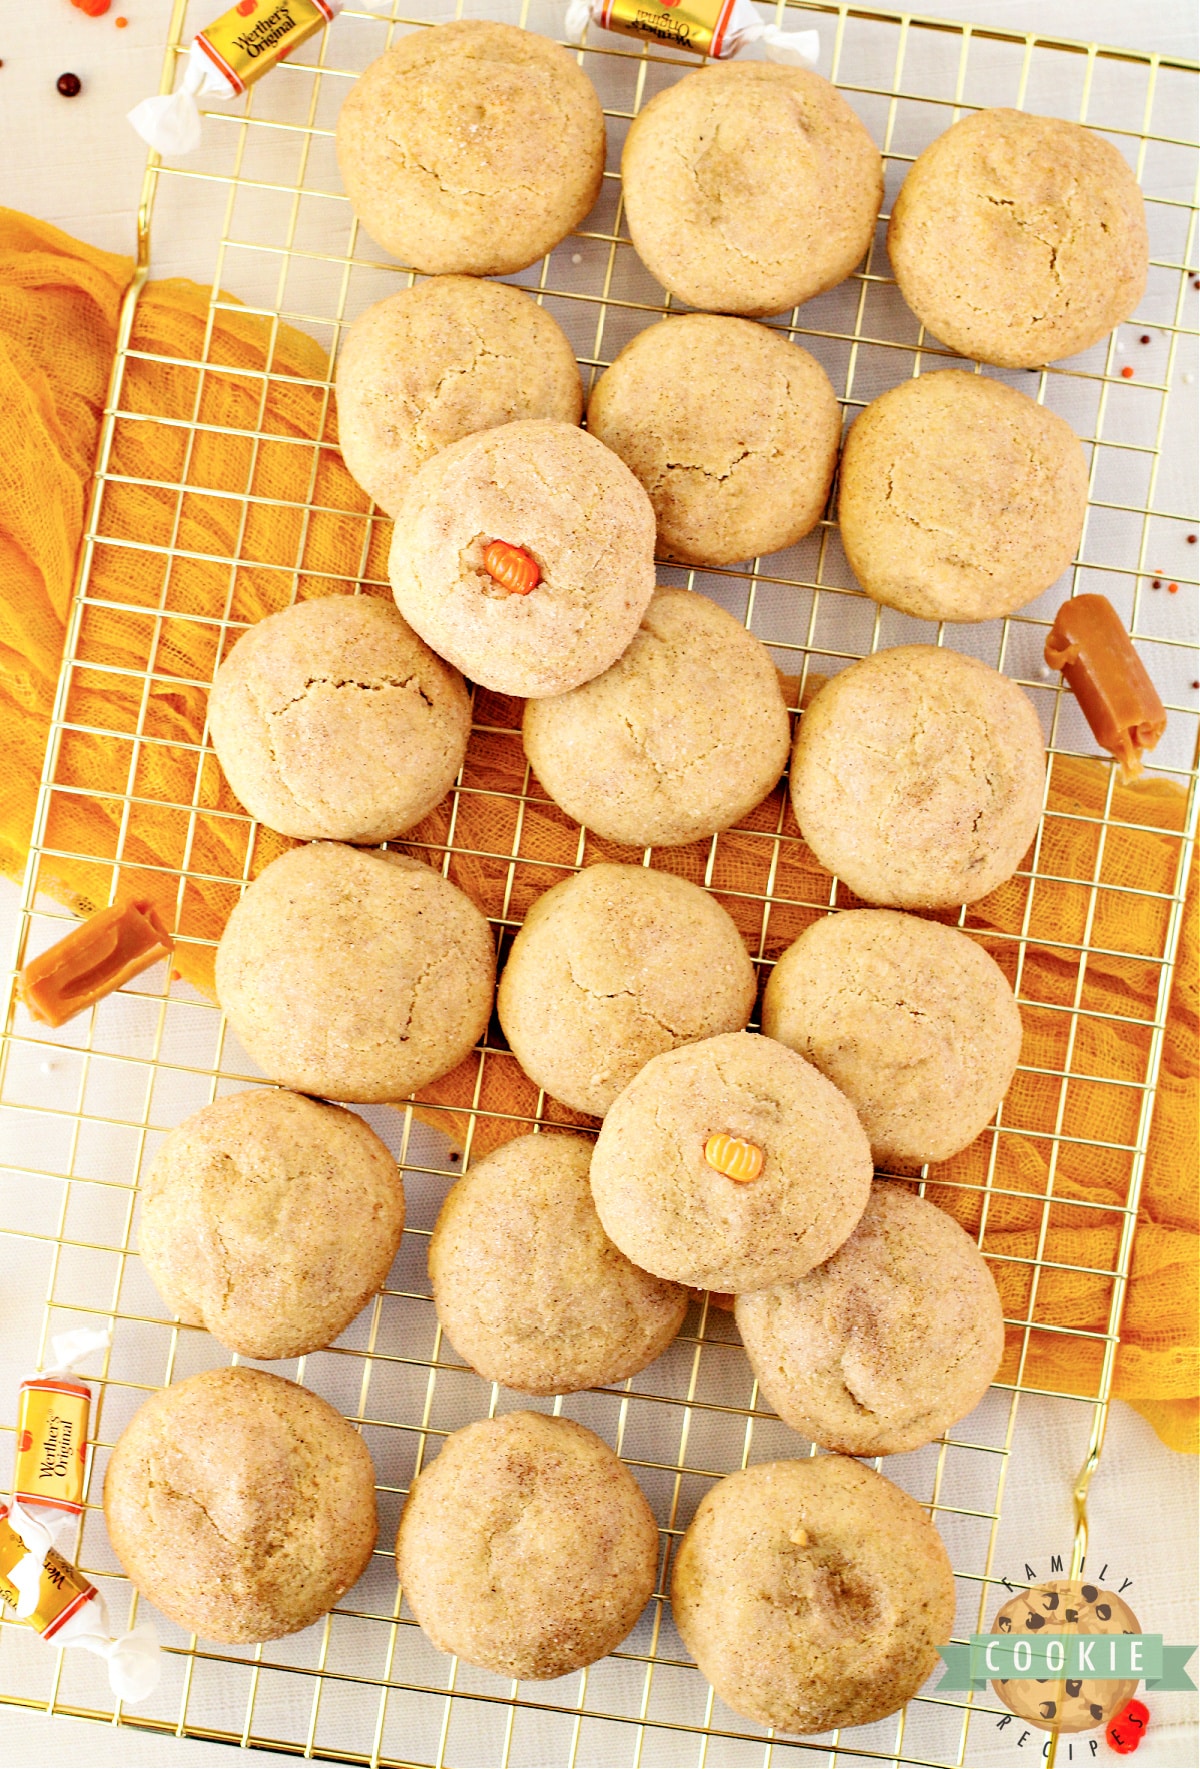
(1107, 677)
(95, 958)
(52, 1422)
(734, 1157)
(512, 567)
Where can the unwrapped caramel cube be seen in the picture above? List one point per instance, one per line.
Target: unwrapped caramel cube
(91, 961)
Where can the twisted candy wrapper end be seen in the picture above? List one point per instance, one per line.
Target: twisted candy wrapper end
(797, 49)
(69, 1349)
(134, 1659)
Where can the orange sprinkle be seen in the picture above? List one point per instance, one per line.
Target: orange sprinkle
(1172, 589)
(734, 1157)
(512, 567)
(1127, 371)
(120, 23)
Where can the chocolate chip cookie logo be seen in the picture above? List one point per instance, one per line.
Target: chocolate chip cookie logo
(1063, 1607)
(1067, 1656)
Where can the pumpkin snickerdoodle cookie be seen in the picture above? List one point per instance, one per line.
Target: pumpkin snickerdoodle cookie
(527, 1285)
(750, 187)
(960, 498)
(471, 146)
(889, 1342)
(1019, 239)
(613, 966)
(812, 1594)
(334, 721)
(525, 555)
(270, 1219)
(730, 1165)
(242, 1505)
(527, 1547)
(438, 362)
(681, 737)
(913, 1021)
(355, 974)
(917, 777)
(732, 429)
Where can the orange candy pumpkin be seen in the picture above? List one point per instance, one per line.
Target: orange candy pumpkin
(512, 567)
(734, 1157)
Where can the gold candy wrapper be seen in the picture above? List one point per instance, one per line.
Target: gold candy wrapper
(62, 1590)
(720, 28)
(238, 48)
(52, 1425)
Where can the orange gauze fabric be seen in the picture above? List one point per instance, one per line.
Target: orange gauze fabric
(310, 532)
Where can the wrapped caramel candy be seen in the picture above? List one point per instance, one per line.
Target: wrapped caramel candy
(91, 961)
(1107, 677)
(720, 28)
(227, 56)
(61, 1604)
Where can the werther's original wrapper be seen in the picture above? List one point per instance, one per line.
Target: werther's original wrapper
(719, 28)
(52, 1422)
(227, 56)
(66, 1608)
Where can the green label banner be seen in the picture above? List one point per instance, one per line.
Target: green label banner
(1098, 1657)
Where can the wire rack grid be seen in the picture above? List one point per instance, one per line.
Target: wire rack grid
(263, 201)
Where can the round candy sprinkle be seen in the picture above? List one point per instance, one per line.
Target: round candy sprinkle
(70, 85)
(1127, 370)
(1145, 338)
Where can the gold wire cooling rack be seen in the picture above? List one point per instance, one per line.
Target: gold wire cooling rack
(87, 1106)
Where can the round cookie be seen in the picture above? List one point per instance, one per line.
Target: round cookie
(1018, 239)
(527, 1547)
(527, 1285)
(683, 736)
(917, 777)
(812, 1594)
(913, 1021)
(242, 1505)
(675, 1214)
(574, 508)
(892, 1340)
(471, 146)
(333, 721)
(750, 187)
(960, 498)
(358, 975)
(438, 362)
(613, 966)
(732, 430)
(270, 1219)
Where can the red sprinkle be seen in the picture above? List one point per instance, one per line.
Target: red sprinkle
(93, 8)
(1191, 540)
(1196, 684)
(1145, 338)
(70, 85)
(1127, 371)
(1157, 584)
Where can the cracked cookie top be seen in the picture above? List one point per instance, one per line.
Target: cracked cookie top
(960, 498)
(270, 1219)
(812, 1593)
(750, 187)
(917, 777)
(676, 1215)
(684, 735)
(334, 721)
(527, 1547)
(243, 1506)
(612, 967)
(355, 974)
(471, 146)
(1018, 239)
(914, 1021)
(439, 361)
(527, 1285)
(889, 1342)
(732, 430)
(570, 504)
